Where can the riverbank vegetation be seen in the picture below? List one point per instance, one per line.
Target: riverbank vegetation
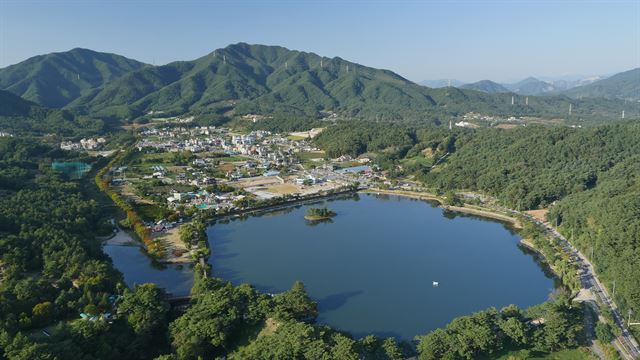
(544, 328)
(154, 247)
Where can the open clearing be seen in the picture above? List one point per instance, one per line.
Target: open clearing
(282, 189)
(177, 252)
(257, 181)
(539, 214)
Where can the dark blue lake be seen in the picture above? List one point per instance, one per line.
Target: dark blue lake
(372, 268)
(138, 269)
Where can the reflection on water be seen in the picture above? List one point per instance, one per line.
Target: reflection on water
(371, 269)
(137, 269)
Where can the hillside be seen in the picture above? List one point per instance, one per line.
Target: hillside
(56, 79)
(243, 79)
(275, 80)
(531, 86)
(19, 116)
(487, 86)
(624, 85)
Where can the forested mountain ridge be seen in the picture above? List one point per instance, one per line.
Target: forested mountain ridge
(272, 80)
(56, 79)
(624, 85)
(256, 78)
(19, 116)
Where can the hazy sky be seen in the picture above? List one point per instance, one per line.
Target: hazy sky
(467, 40)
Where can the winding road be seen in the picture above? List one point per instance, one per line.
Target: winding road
(625, 343)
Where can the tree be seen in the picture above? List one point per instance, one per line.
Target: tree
(146, 309)
(43, 312)
(296, 304)
(604, 333)
(436, 345)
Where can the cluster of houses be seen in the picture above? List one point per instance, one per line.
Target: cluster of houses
(83, 144)
(263, 155)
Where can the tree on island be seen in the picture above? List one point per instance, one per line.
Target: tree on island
(319, 214)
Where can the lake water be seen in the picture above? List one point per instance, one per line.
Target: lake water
(137, 268)
(372, 267)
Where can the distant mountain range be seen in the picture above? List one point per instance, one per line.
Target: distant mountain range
(243, 79)
(487, 86)
(625, 85)
(440, 83)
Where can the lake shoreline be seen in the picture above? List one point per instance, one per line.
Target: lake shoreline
(485, 213)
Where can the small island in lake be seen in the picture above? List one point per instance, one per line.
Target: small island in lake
(316, 214)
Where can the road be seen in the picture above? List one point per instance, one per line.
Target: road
(625, 343)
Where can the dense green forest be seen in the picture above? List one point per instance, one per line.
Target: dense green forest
(20, 117)
(52, 270)
(56, 79)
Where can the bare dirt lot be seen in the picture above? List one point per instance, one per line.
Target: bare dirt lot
(539, 214)
(257, 181)
(282, 189)
(177, 252)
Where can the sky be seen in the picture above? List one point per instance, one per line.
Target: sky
(466, 40)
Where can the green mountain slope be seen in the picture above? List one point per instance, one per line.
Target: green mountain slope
(269, 80)
(19, 116)
(56, 79)
(487, 86)
(625, 85)
(255, 78)
(272, 80)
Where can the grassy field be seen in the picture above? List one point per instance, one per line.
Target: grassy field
(308, 155)
(296, 137)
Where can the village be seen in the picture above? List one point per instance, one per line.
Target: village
(173, 172)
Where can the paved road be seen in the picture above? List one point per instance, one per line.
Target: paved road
(626, 344)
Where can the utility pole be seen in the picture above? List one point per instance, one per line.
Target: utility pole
(623, 114)
(512, 100)
(570, 105)
(526, 101)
